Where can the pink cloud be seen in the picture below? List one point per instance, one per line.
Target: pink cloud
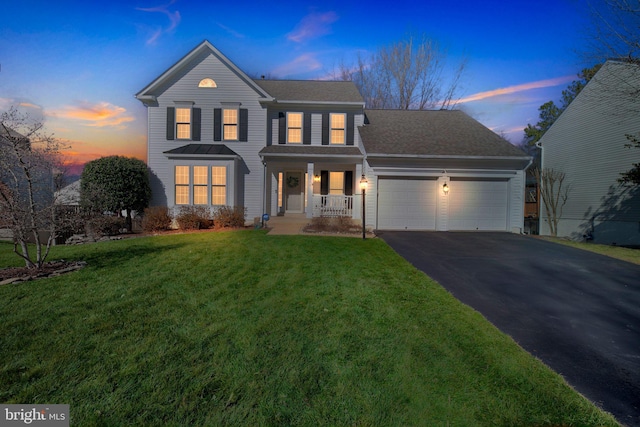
(101, 114)
(301, 64)
(174, 20)
(517, 88)
(312, 26)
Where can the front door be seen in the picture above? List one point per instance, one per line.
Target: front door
(294, 191)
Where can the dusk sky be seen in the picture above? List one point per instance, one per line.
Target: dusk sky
(78, 64)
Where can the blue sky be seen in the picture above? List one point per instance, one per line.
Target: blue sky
(77, 64)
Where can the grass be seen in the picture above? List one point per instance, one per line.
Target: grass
(241, 328)
(618, 252)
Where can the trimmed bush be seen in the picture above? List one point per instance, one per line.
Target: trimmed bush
(193, 217)
(229, 217)
(104, 225)
(156, 218)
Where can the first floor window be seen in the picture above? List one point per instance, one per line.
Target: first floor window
(182, 185)
(201, 185)
(200, 182)
(336, 182)
(183, 123)
(218, 185)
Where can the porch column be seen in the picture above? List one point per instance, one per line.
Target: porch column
(357, 194)
(309, 190)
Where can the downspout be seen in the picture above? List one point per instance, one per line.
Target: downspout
(539, 145)
(264, 190)
(524, 187)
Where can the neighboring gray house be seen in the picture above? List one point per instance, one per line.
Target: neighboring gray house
(587, 143)
(218, 137)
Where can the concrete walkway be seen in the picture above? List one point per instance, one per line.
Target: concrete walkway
(287, 225)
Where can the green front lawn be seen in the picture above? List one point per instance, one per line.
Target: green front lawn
(618, 252)
(242, 328)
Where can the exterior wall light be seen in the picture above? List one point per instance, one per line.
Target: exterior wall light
(445, 188)
(316, 178)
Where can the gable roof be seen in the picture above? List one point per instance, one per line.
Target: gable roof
(423, 133)
(148, 93)
(312, 91)
(614, 91)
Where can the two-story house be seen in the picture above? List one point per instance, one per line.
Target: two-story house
(218, 137)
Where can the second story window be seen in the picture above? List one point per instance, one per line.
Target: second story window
(183, 123)
(294, 128)
(337, 129)
(230, 124)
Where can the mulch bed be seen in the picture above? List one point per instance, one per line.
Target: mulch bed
(49, 269)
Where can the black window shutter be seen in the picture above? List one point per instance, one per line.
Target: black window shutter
(217, 124)
(282, 128)
(348, 183)
(325, 128)
(350, 128)
(244, 125)
(195, 127)
(171, 123)
(306, 137)
(324, 182)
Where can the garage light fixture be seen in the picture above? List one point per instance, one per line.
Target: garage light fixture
(445, 188)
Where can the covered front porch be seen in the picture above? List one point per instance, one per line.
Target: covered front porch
(313, 186)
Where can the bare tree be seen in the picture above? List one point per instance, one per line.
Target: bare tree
(29, 174)
(554, 195)
(408, 74)
(615, 30)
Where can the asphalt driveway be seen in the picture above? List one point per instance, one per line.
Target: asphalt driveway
(577, 311)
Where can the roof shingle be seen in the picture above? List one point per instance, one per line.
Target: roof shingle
(431, 133)
(311, 90)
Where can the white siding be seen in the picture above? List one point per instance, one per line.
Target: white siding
(587, 143)
(230, 88)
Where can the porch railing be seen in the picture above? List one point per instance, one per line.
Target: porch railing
(332, 205)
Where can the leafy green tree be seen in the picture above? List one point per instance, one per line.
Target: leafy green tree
(549, 111)
(115, 184)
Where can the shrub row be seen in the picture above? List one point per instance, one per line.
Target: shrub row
(159, 218)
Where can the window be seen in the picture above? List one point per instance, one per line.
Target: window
(218, 185)
(230, 124)
(337, 128)
(207, 83)
(336, 182)
(182, 185)
(294, 128)
(200, 182)
(183, 123)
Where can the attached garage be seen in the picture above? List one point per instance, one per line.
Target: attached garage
(478, 205)
(440, 170)
(406, 204)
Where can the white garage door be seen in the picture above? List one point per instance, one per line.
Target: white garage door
(478, 205)
(406, 204)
